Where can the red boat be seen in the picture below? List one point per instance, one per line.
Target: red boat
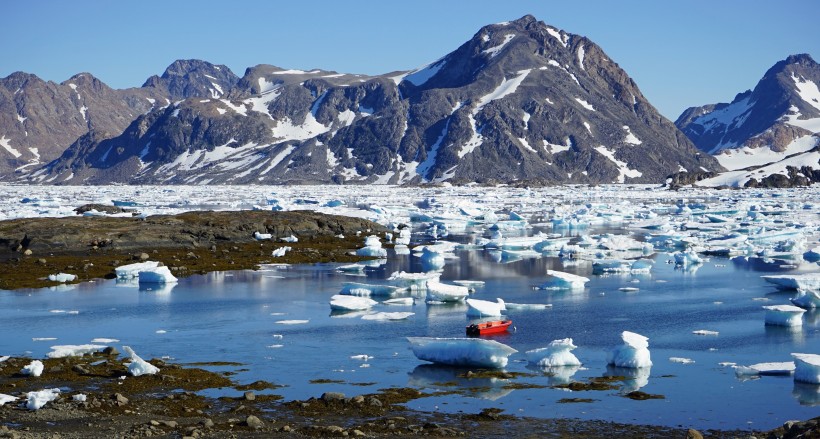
(491, 327)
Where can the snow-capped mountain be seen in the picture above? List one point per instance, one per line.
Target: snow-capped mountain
(40, 119)
(519, 102)
(767, 135)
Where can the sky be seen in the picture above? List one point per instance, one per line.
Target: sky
(681, 53)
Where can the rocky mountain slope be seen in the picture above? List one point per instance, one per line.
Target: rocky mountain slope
(40, 119)
(519, 102)
(767, 135)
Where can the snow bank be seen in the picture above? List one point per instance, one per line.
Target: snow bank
(557, 353)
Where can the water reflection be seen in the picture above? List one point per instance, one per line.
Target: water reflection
(806, 394)
(632, 378)
(448, 378)
(556, 375)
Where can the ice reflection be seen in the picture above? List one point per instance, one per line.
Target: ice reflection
(557, 375)
(447, 378)
(632, 378)
(806, 394)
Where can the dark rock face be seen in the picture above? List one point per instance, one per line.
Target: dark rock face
(519, 102)
(193, 78)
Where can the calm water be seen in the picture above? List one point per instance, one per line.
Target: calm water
(233, 317)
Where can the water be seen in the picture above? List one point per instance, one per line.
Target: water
(233, 317)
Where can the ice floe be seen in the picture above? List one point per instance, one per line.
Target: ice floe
(560, 280)
(341, 302)
(473, 352)
(764, 369)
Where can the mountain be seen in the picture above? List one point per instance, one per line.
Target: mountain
(520, 102)
(40, 119)
(764, 132)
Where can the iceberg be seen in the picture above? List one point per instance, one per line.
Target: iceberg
(131, 271)
(62, 277)
(784, 315)
(36, 400)
(362, 289)
(807, 368)
(484, 308)
(807, 299)
(341, 302)
(158, 275)
(468, 352)
(372, 247)
(69, 350)
(441, 292)
(414, 281)
(564, 281)
(687, 258)
(634, 353)
(431, 260)
(138, 366)
(35, 369)
(807, 281)
(557, 353)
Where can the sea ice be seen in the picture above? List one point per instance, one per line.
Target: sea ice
(138, 366)
(387, 316)
(634, 353)
(158, 275)
(62, 277)
(372, 247)
(484, 308)
(807, 368)
(342, 302)
(441, 292)
(470, 352)
(36, 400)
(527, 306)
(564, 281)
(781, 368)
(63, 351)
(35, 369)
(704, 332)
(362, 289)
(131, 271)
(784, 315)
(400, 301)
(806, 281)
(807, 299)
(290, 238)
(681, 360)
(557, 353)
(6, 399)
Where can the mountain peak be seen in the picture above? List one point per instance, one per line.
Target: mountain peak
(186, 78)
(800, 58)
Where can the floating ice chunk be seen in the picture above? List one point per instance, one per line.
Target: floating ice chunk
(431, 260)
(290, 238)
(80, 397)
(484, 308)
(812, 255)
(35, 369)
(158, 275)
(807, 368)
(414, 281)
(470, 352)
(403, 238)
(372, 247)
(704, 332)
(807, 299)
(399, 301)
(362, 357)
(6, 399)
(784, 315)
(681, 360)
(387, 316)
(261, 236)
(776, 369)
(105, 340)
(362, 289)
(807, 281)
(633, 353)
(279, 252)
(292, 322)
(343, 302)
(557, 353)
(62, 277)
(351, 268)
(441, 292)
(138, 366)
(36, 400)
(564, 281)
(527, 306)
(63, 351)
(471, 284)
(131, 271)
(687, 258)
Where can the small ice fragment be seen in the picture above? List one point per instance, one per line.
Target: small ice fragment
(527, 306)
(80, 397)
(628, 289)
(341, 302)
(782, 368)
(275, 346)
(4, 358)
(681, 360)
(290, 238)
(279, 252)
(6, 398)
(160, 331)
(36, 400)
(261, 236)
(784, 315)
(291, 322)
(35, 369)
(62, 277)
(105, 340)
(557, 353)
(399, 301)
(387, 316)
(138, 366)
(278, 336)
(727, 364)
(704, 332)
(362, 357)
(44, 339)
(634, 353)
(69, 350)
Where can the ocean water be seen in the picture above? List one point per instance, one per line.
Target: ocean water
(248, 317)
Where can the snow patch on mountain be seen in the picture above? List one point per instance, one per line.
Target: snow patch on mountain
(6, 144)
(419, 76)
(585, 104)
(623, 168)
(741, 158)
(631, 138)
(493, 51)
(562, 38)
(740, 178)
(808, 91)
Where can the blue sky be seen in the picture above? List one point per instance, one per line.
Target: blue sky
(680, 52)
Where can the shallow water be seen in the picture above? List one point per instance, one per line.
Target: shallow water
(234, 317)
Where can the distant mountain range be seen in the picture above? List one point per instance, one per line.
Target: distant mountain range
(766, 136)
(521, 103)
